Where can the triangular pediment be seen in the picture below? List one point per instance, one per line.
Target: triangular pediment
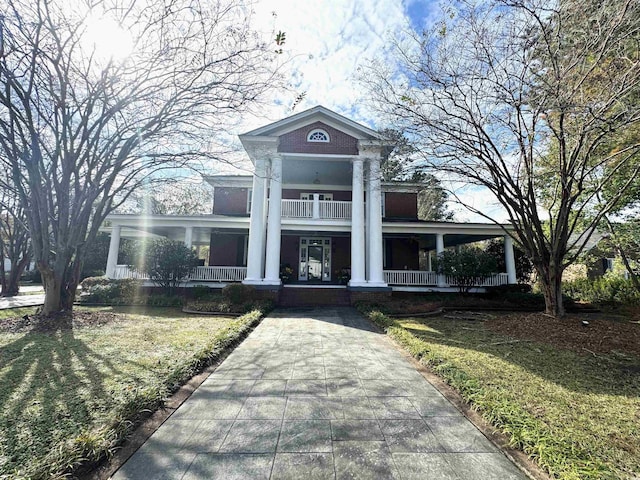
(311, 116)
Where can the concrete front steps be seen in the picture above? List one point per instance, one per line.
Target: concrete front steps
(302, 296)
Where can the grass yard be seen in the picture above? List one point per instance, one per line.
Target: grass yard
(68, 395)
(571, 404)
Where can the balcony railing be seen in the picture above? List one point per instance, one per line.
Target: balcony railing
(317, 209)
(198, 274)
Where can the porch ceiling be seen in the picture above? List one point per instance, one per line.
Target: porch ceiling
(306, 170)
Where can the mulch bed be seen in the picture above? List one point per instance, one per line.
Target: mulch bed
(601, 336)
(56, 322)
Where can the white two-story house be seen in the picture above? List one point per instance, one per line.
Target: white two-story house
(317, 205)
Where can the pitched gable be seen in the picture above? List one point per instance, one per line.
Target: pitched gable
(339, 142)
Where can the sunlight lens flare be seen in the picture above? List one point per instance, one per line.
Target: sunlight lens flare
(106, 39)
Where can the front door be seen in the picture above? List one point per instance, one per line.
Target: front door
(315, 259)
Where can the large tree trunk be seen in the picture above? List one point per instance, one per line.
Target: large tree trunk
(59, 289)
(10, 283)
(551, 284)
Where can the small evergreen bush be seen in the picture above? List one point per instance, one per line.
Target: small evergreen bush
(238, 293)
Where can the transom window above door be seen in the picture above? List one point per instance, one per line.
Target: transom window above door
(321, 196)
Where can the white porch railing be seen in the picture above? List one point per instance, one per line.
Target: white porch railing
(324, 209)
(123, 271)
(218, 274)
(297, 209)
(424, 278)
(335, 210)
(198, 274)
(410, 277)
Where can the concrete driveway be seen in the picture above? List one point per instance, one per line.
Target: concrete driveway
(317, 394)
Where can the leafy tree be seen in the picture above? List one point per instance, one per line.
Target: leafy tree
(432, 197)
(166, 262)
(509, 97)
(468, 267)
(82, 127)
(524, 266)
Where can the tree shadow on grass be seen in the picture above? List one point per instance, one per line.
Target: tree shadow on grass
(52, 387)
(581, 373)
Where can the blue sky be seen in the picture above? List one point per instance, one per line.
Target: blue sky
(326, 41)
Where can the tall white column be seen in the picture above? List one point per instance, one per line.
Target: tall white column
(114, 246)
(442, 281)
(509, 259)
(374, 218)
(357, 226)
(188, 236)
(255, 255)
(367, 225)
(272, 268)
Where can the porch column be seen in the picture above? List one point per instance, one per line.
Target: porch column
(429, 267)
(255, 254)
(442, 281)
(374, 219)
(188, 236)
(272, 268)
(357, 226)
(509, 260)
(114, 246)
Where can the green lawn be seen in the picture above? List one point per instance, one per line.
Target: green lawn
(577, 415)
(68, 395)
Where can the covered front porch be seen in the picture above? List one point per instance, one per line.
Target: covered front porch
(311, 256)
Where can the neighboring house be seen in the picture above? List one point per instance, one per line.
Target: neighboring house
(316, 204)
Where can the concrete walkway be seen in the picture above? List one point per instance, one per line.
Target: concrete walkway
(315, 394)
(21, 301)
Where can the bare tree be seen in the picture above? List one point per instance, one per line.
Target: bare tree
(99, 96)
(14, 243)
(511, 96)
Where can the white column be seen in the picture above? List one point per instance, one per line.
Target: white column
(429, 267)
(316, 205)
(367, 225)
(188, 236)
(374, 218)
(509, 259)
(442, 281)
(272, 268)
(255, 254)
(357, 226)
(114, 246)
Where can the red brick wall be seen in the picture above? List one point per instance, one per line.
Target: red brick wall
(230, 201)
(226, 249)
(341, 250)
(401, 205)
(401, 253)
(289, 254)
(340, 143)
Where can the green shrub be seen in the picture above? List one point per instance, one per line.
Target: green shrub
(239, 293)
(468, 267)
(91, 282)
(201, 292)
(104, 290)
(32, 276)
(607, 290)
(500, 290)
(166, 262)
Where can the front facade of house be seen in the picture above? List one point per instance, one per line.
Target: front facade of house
(315, 212)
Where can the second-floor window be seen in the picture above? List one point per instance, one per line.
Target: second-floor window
(249, 191)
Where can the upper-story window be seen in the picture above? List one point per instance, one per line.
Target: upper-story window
(318, 135)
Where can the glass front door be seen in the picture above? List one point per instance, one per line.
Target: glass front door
(315, 259)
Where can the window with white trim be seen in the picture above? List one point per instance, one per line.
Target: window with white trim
(249, 196)
(318, 135)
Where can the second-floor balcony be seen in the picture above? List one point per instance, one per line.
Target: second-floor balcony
(316, 209)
